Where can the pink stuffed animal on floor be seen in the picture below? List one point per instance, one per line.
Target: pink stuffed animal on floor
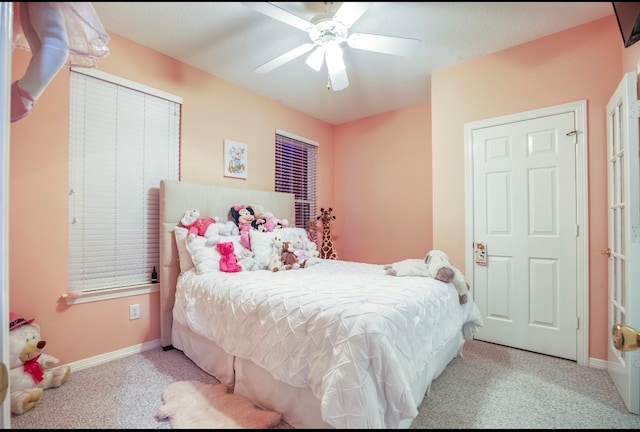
(228, 260)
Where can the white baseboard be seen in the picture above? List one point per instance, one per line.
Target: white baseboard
(136, 349)
(597, 363)
(114, 355)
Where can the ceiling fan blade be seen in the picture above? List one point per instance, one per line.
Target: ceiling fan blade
(350, 12)
(336, 67)
(282, 59)
(384, 44)
(280, 14)
(316, 58)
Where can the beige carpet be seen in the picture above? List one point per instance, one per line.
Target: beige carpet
(489, 387)
(197, 405)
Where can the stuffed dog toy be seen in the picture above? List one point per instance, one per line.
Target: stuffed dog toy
(435, 265)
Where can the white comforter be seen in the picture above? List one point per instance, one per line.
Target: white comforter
(355, 336)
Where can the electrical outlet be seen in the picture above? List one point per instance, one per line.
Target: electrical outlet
(134, 311)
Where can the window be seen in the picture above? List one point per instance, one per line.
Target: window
(296, 173)
(124, 138)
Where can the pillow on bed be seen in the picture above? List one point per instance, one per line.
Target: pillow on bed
(184, 257)
(206, 257)
(262, 242)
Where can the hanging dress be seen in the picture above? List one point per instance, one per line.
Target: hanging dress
(87, 37)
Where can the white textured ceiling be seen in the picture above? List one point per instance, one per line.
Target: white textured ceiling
(229, 40)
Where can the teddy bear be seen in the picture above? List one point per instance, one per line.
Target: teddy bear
(288, 258)
(312, 254)
(247, 261)
(228, 259)
(199, 226)
(435, 265)
(31, 371)
(306, 251)
(312, 231)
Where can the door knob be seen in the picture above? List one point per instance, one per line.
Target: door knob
(625, 338)
(606, 252)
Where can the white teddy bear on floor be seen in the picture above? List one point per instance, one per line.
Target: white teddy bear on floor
(31, 370)
(435, 265)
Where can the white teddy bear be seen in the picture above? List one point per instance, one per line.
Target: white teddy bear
(31, 371)
(247, 261)
(435, 265)
(209, 228)
(307, 252)
(205, 227)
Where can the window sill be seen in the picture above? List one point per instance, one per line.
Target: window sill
(112, 293)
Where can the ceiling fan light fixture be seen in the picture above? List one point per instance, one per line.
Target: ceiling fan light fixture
(316, 58)
(327, 31)
(333, 55)
(336, 67)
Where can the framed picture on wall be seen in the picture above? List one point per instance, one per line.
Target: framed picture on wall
(236, 158)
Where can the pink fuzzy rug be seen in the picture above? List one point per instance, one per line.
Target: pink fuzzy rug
(196, 405)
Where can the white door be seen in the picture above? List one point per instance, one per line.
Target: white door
(6, 28)
(624, 234)
(524, 214)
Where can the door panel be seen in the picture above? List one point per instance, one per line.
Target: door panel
(624, 234)
(524, 201)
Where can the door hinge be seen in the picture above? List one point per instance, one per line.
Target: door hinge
(577, 323)
(634, 109)
(577, 230)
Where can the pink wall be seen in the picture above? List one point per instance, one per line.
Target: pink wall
(213, 110)
(581, 63)
(383, 187)
(377, 173)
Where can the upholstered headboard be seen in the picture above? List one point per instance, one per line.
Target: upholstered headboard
(176, 197)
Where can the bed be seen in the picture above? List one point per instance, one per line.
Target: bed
(335, 345)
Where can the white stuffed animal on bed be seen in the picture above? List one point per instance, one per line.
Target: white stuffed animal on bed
(247, 261)
(307, 252)
(435, 265)
(209, 228)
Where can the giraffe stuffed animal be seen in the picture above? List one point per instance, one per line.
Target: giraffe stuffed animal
(327, 251)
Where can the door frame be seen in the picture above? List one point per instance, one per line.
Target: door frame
(6, 31)
(579, 108)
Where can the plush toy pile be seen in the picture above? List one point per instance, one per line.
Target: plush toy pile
(435, 265)
(31, 371)
(273, 251)
(296, 252)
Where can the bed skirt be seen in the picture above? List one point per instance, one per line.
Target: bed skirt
(299, 406)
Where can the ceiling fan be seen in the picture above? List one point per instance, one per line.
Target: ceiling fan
(327, 31)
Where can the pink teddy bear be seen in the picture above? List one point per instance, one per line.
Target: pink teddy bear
(228, 260)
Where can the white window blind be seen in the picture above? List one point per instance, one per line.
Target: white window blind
(123, 141)
(296, 173)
